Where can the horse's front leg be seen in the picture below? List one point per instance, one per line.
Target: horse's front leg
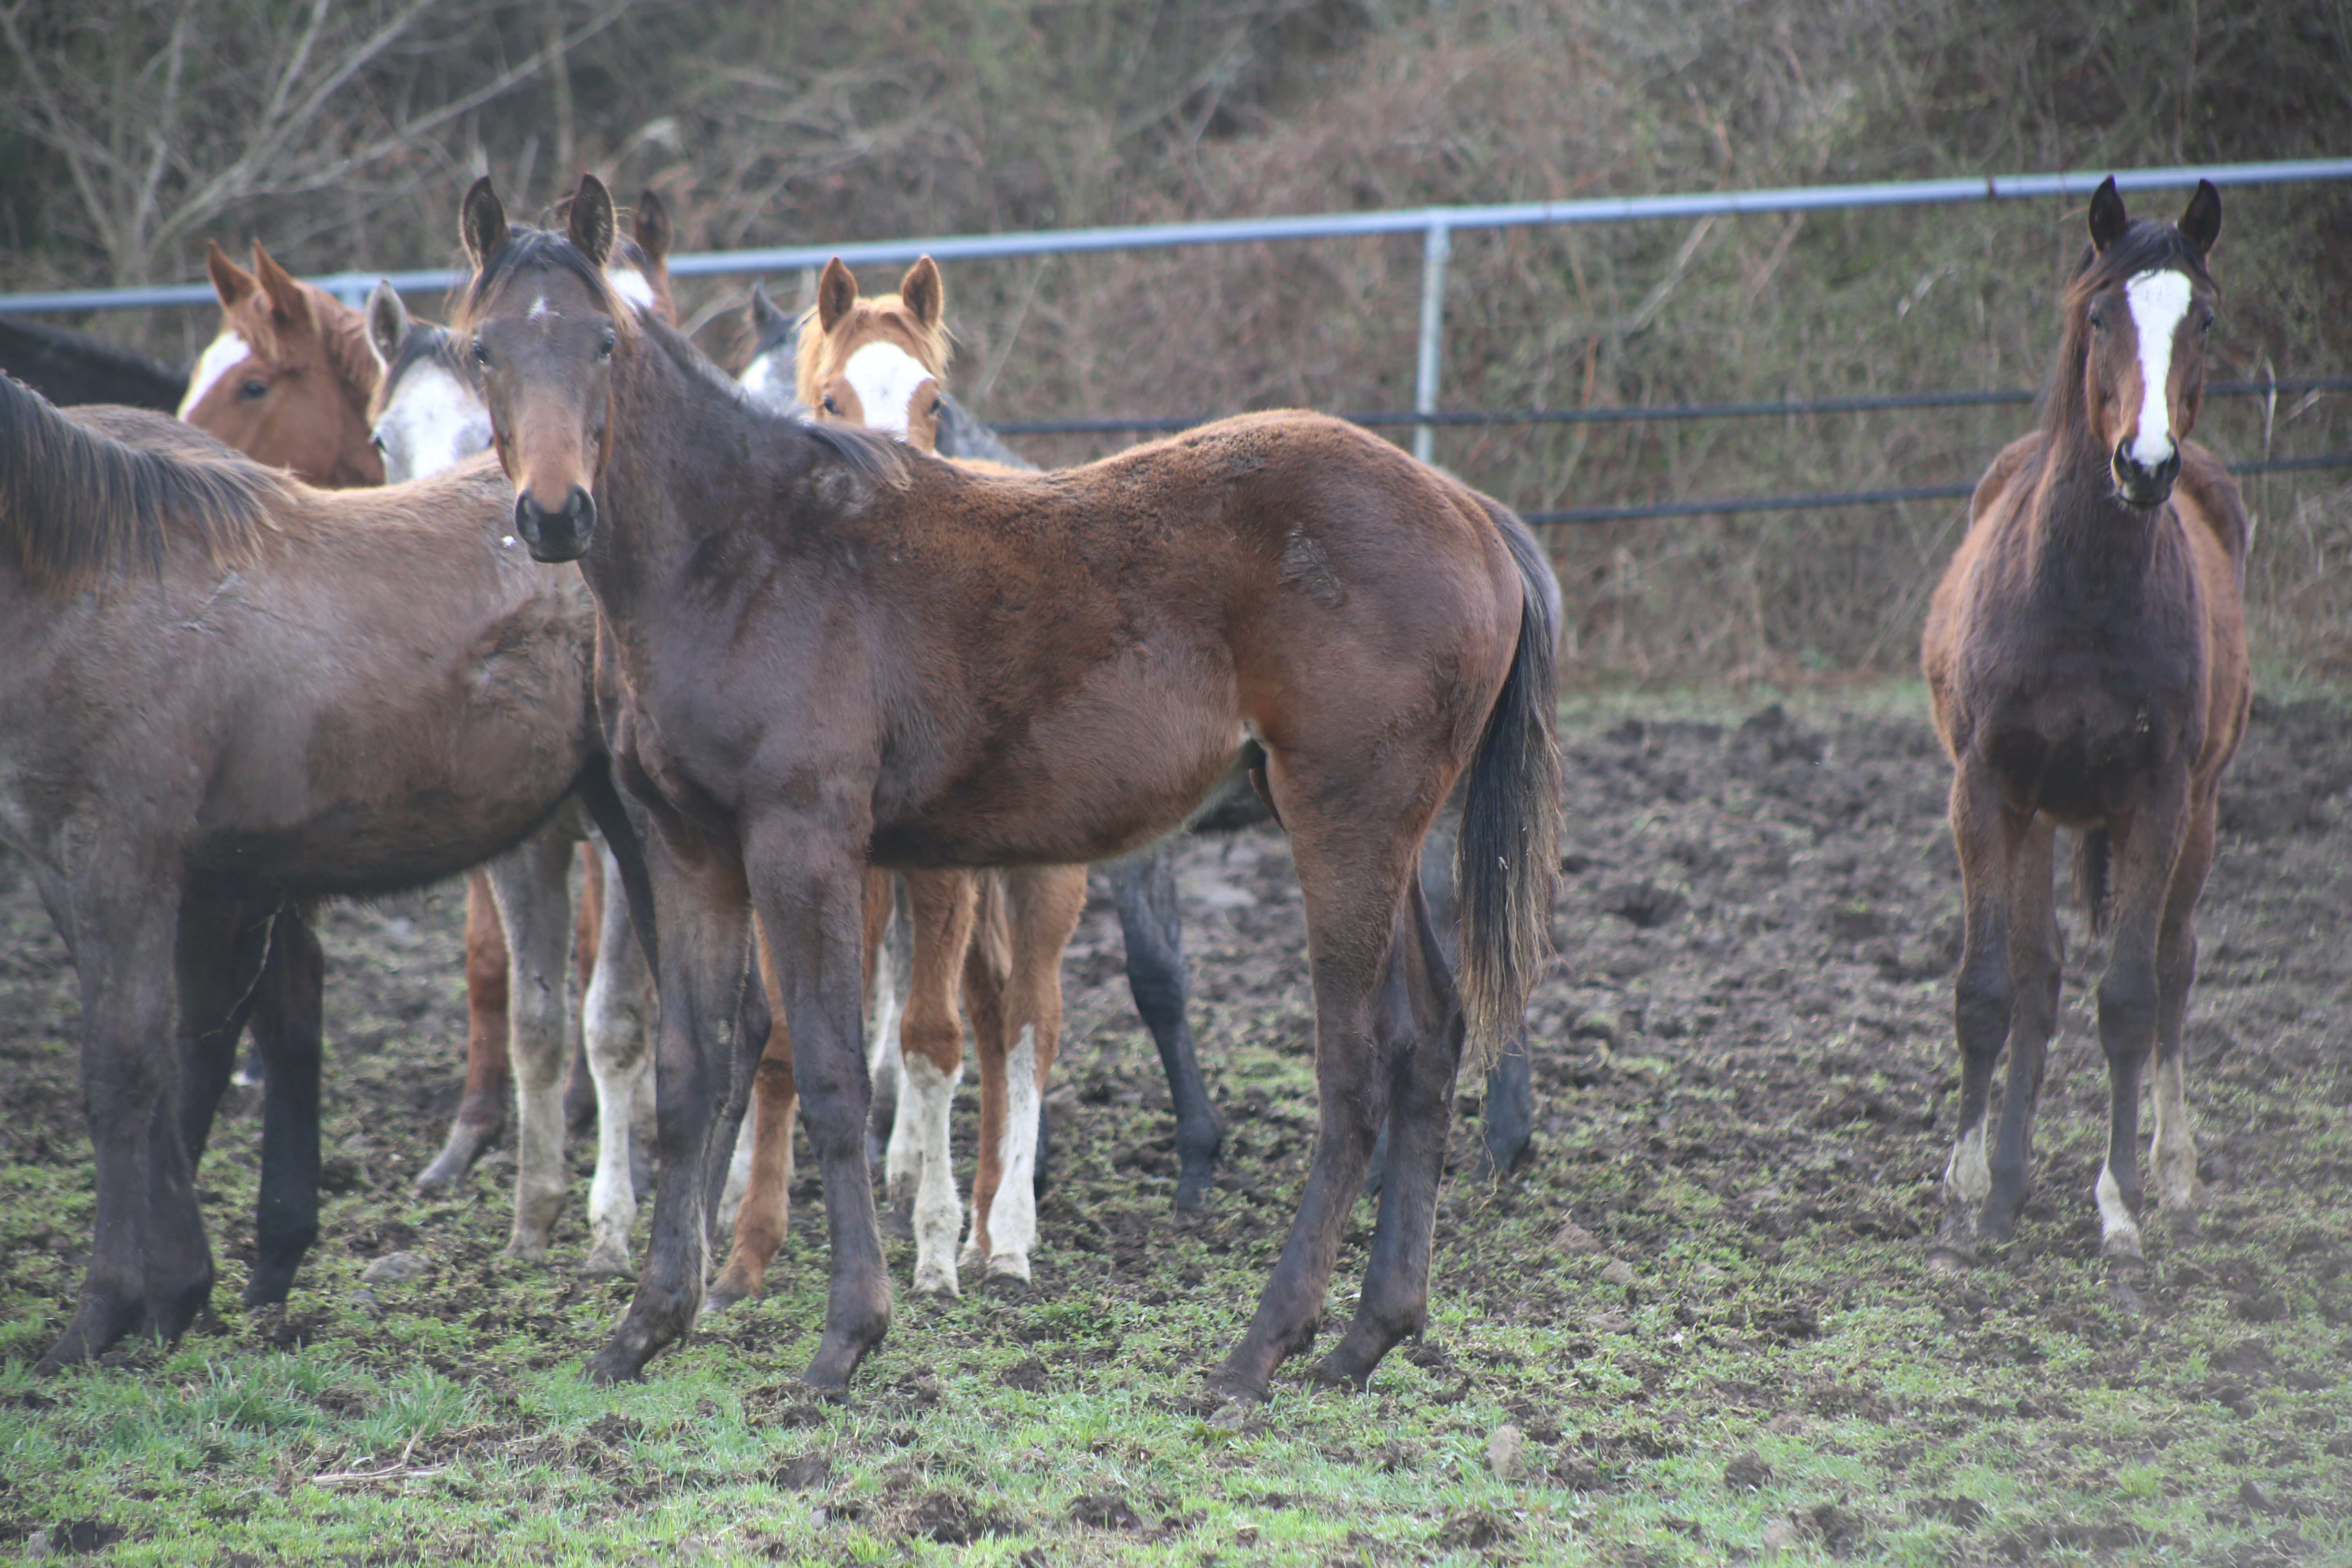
(1042, 905)
(764, 1207)
(930, 1065)
(1985, 834)
(531, 884)
(2148, 851)
(2035, 954)
(808, 883)
(698, 904)
(149, 1263)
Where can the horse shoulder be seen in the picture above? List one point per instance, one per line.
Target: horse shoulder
(2206, 490)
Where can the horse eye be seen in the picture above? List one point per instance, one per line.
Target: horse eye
(2205, 323)
(257, 387)
(2098, 320)
(829, 405)
(934, 410)
(482, 353)
(604, 349)
(375, 439)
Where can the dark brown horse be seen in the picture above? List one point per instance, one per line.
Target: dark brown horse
(223, 693)
(2086, 655)
(832, 654)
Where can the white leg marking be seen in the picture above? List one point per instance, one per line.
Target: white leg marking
(617, 1025)
(1967, 1176)
(223, 354)
(931, 1093)
(1012, 1212)
(2159, 301)
(2173, 1146)
(739, 1168)
(2118, 1231)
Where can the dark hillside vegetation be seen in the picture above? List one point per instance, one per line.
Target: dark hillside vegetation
(840, 122)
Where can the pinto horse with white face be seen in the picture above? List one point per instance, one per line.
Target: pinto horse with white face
(833, 654)
(2085, 653)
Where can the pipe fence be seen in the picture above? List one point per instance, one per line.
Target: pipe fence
(1436, 224)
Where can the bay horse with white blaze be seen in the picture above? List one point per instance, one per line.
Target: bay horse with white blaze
(2085, 654)
(832, 653)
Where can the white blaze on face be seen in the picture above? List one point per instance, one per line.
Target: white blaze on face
(434, 422)
(769, 379)
(225, 352)
(885, 377)
(630, 284)
(2159, 301)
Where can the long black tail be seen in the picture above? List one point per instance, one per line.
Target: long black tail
(1508, 852)
(2093, 853)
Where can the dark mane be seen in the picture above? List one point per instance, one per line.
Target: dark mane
(77, 504)
(2146, 246)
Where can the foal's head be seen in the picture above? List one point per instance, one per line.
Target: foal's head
(286, 380)
(426, 414)
(877, 362)
(540, 325)
(769, 372)
(2138, 310)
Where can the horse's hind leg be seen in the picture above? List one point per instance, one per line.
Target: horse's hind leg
(765, 1209)
(1144, 885)
(2035, 953)
(2173, 1149)
(1506, 1111)
(2148, 847)
(531, 883)
(1355, 860)
(615, 1029)
(1043, 904)
(587, 941)
(1987, 835)
(483, 1108)
(288, 1026)
(1419, 1030)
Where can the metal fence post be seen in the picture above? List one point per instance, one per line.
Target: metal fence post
(1436, 247)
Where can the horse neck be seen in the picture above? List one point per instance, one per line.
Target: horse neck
(2085, 543)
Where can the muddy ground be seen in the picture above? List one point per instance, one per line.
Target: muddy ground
(1744, 1040)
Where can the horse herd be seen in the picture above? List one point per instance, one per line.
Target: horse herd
(843, 697)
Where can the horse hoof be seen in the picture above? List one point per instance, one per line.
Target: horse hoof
(1192, 1194)
(2183, 1223)
(1950, 1258)
(611, 1365)
(606, 1266)
(940, 1283)
(532, 1252)
(722, 1295)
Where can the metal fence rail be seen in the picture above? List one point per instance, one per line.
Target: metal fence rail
(1437, 225)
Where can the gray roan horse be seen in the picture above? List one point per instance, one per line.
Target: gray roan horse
(2086, 655)
(832, 653)
(223, 693)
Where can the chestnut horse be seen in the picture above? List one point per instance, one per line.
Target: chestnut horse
(222, 693)
(830, 654)
(2085, 653)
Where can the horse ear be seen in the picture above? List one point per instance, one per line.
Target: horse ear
(2108, 219)
(482, 222)
(922, 292)
(286, 300)
(765, 317)
(233, 283)
(387, 323)
(652, 226)
(590, 221)
(837, 293)
(2200, 222)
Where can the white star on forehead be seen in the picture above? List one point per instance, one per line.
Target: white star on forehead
(223, 354)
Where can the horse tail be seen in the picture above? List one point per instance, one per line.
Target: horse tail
(2093, 851)
(77, 504)
(1508, 851)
